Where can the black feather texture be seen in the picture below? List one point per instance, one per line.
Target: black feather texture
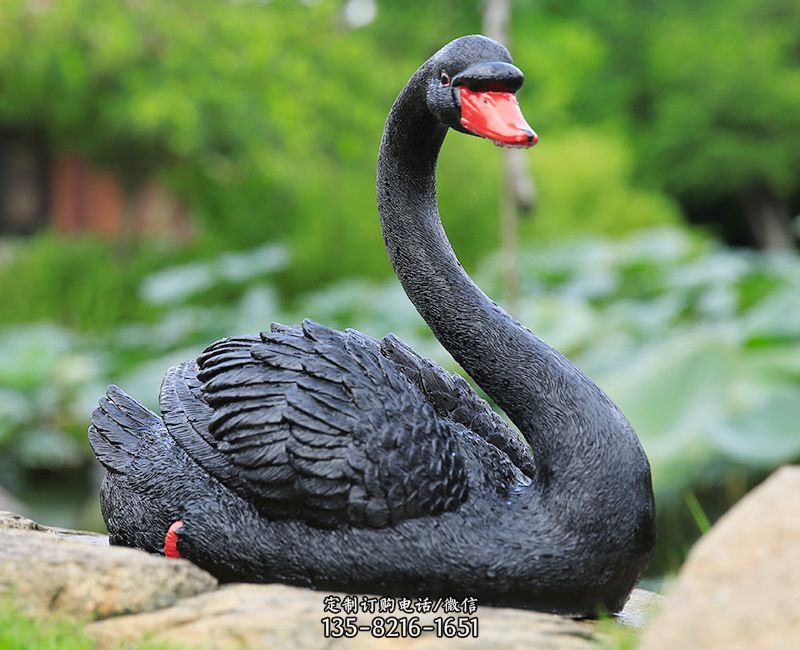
(322, 427)
(186, 416)
(454, 398)
(118, 424)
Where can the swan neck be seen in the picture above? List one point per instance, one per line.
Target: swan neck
(589, 462)
(492, 347)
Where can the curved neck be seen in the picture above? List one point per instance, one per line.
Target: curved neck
(541, 391)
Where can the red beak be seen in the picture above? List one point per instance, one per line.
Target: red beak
(495, 114)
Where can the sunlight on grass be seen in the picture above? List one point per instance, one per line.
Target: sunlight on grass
(18, 632)
(615, 636)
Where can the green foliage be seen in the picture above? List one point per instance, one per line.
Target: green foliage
(731, 83)
(264, 118)
(81, 283)
(708, 94)
(696, 510)
(217, 101)
(580, 168)
(49, 381)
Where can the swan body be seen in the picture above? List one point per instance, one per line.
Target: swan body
(333, 460)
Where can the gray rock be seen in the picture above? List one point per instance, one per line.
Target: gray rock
(51, 570)
(10, 520)
(739, 587)
(276, 616)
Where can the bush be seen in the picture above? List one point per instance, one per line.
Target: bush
(83, 283)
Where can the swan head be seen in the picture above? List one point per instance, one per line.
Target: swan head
(471, 87)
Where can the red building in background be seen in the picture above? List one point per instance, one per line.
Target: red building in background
(69, 195)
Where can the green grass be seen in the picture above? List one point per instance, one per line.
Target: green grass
(615, 636)
(697, 512)
(18, 632)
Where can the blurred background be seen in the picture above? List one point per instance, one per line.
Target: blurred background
(174, 172)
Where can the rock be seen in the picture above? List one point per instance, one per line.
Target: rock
(276, 616)
(640, 609)
(78, 574)
(739, 587)
(9, 520)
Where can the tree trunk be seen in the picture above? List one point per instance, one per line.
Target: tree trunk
(517, 190)
(769, 219)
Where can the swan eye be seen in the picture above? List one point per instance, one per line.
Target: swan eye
(445, 79)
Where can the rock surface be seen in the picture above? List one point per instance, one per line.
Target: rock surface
(170, 601)
(12, 521)
(78, 574)
(739, 589)
(277, 616)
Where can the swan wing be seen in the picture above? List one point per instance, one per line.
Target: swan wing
(187, 415)
(453, 398)
(322, 427)
(117, 428)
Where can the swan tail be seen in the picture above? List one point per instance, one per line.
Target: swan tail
(149, 479)
(118, 427)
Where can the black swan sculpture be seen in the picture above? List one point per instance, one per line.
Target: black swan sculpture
(336, 461)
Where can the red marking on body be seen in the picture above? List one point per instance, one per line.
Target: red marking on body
(171, 540)
(495, 115)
